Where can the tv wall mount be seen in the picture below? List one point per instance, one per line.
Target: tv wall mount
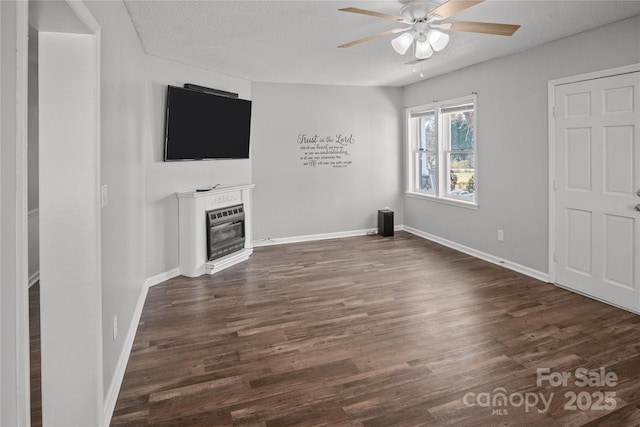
(210, 90)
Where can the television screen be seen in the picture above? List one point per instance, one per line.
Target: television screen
(201, 125)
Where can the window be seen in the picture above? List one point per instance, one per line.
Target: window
(442, 142)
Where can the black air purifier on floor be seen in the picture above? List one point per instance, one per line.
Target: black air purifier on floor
(385, 222)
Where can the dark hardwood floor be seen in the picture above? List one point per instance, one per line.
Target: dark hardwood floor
(34, 355)
(372, 331)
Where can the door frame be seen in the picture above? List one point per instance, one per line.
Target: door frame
(552, 84)
(22, 349)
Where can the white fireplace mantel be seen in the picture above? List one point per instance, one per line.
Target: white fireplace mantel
(192, 206)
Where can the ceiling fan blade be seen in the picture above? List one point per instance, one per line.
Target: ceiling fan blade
(375, 36)
(452, 7)
(372, 13)
(415, 61)
(483, 27)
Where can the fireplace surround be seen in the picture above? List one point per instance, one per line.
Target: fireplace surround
(195, 228)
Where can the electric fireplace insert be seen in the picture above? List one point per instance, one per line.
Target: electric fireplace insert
(225, 231)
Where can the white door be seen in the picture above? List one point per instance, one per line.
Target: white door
(597, 181)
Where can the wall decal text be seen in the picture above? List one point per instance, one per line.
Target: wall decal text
(325, 150)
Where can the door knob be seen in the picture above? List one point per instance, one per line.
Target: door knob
(637, 207)
(638, 192)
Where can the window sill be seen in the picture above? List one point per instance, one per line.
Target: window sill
(452, 202)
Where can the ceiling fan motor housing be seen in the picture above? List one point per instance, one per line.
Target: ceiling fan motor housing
(416, 10)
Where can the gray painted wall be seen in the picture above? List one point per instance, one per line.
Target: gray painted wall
(9, 391)
(140, 222)
(293, 199)
(32, 158)
(123, 131)
(513, 140)
(164, 179)
(70, 293)
(32, 149)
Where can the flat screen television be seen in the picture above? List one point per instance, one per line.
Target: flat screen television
(203, 126)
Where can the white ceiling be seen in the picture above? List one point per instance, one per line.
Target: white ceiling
(296, 41)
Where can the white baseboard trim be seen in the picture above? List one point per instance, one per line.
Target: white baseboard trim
(33, 279)
(312, 237)
(111, 397)
(162, 277)
(114, 389)
(527, 271)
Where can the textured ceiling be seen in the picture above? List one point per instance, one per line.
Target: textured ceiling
(296, 41)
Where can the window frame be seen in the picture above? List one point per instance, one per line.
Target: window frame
(439, 193)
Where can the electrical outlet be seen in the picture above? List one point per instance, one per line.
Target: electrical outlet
(500, 235)
(115, 327)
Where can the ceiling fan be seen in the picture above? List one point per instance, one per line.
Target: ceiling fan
(426, 23)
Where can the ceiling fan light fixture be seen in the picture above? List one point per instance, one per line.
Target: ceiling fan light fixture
(438, 40)
(423, 50)
(402, 43)
(425, 19)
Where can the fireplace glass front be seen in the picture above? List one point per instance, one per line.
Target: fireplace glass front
(225, 231)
